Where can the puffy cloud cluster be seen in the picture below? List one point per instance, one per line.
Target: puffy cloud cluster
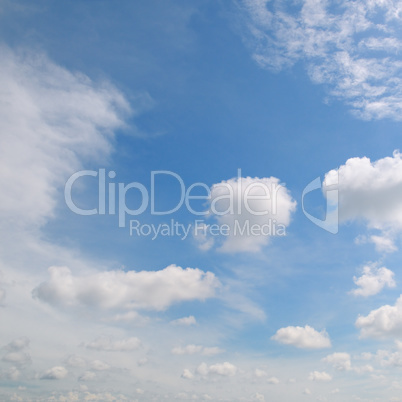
(225, 369)
(249, 212)
(382, 322)
(17, 353)
(373, 280)
(340, 361)
(55, 373)
(319, 376)
(371, 192)
(155, 290)
(303, 337)
(352, 47)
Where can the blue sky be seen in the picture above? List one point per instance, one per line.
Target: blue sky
(285, 92)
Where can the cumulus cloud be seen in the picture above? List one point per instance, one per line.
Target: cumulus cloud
(340, 361)
(373, 280)
(155, 290)
(185, 321)
(107, 344)
(319, 376)
(87, 376)
(18, 358)
(260, 373)
(371, 192)
(17, 344)
(225, 369)
(12, 374)
(273, 380)
(63, 116)
(249, 211)
(352, 48)
(187, 374)
(303, 337)
(55, 373)
(383, 244)
(196, 349)
(75, 361)
(99, 365)
(382, 322)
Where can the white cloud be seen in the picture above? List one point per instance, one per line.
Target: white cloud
(18, 344)
(373, 280)
(225, 369)
(55, 373)
(99, 365)
(383, 244)
(303, 337)
(244, 203)
(107, 344)
(340, 361)
(185, 321)
(12, 374)
(273, 380)
(18, 358)
(142, 362)
(260, 373)
(50, 119)
(319, 376)
(196, 349)
(382, 322)
(87, 376)
(75, 361)
(371, 192)
(155, 290)
(187, 374)
(351, 48)
(258, 397)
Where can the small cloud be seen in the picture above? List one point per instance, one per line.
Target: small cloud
(107, 344)
(319, 376)
(273, 380)
(383, 244)
(260, 373)
(382, 322)
(143, 361)
(185, 321)
(17, 344)
(196, 349)
(303, 337)
(87, 376)
(340, 361)
(75, 361)
(225, 369)
(98, 365)
(55, 373)
(373, 280)
(19, 358)
(187, 374)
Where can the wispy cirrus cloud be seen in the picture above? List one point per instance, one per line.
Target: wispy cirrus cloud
(351, 46)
